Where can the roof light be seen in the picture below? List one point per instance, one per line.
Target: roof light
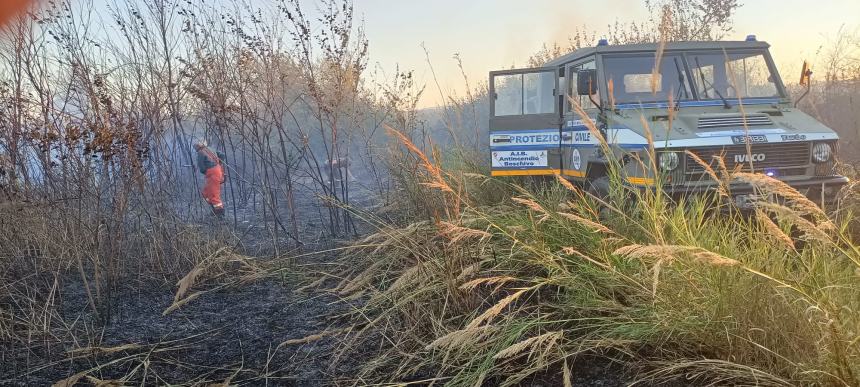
(602, 42)
(751, 38)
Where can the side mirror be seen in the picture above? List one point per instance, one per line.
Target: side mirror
(805, 80)
(586, 82)
(805, 74)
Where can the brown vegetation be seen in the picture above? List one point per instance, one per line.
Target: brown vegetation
(466, 279)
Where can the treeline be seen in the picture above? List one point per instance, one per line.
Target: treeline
(98, 113)
(110, 102)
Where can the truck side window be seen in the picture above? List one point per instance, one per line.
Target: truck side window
(583, 101)
(523, 94)
(509, 95)
(539, 93)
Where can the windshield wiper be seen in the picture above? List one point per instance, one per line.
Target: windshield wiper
(683, 85)
(710, 85)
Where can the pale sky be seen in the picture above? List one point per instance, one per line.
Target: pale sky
(496, 34)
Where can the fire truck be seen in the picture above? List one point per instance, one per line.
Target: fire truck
(720, 99)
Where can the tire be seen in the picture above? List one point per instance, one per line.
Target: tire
(599, 187)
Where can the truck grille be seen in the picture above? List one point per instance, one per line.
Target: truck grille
(764, 156)
(734, 121)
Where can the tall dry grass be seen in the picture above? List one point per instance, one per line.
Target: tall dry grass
(532, 285)
(49, 254)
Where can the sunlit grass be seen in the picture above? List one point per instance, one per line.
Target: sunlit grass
(527, 285)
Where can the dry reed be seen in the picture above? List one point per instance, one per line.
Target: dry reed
(710, 171)
(774, 231)
(810, 231)
(770, 185)
(494, 311)
(462, 337)
(669, 253)
(497, 281)
(545, 341)
(590, 224)
(456, 233)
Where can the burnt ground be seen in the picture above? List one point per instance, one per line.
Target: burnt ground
(227, 332)
(231, 334)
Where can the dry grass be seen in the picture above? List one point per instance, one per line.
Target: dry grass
(774, 230)
(50, 241)
(532, 282)
(457, 234)
(668, 253)
(498, 281)
(462, 338)
(544, 342)
(494, 311)
(768, 185)
(721, 188)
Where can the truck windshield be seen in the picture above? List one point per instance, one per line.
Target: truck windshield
(643, 78)
(733, 75)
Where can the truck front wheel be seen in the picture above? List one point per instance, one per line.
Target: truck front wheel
(599, 187)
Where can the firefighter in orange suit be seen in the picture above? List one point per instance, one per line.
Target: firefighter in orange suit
(209, 163)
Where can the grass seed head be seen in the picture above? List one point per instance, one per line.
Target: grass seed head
(669, 253)
(469, 271)
(773, 230)
(498, 280)
(567, 184)
(595, 226)
(531, 204)
(494, 311)
(767, 184)
(710, 171)
(810, 231)
(463, 337)
(545, 341)
(456, 233)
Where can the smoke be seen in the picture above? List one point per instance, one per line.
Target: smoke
(11, 8)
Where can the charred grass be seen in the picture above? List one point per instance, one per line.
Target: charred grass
(172, 302)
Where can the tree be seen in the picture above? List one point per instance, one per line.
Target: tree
(669, 20)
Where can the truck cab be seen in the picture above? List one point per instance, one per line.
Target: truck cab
(719, 101)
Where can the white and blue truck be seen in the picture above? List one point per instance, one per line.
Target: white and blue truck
(712, 99)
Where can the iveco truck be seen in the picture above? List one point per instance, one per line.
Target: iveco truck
(712, 99)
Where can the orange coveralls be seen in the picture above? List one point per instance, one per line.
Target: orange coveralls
(214, 179)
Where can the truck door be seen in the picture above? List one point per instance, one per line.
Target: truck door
(525, 124)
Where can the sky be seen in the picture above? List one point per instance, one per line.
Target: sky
(497, 34)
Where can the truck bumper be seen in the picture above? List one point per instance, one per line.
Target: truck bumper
(819, 189)
(828, 182)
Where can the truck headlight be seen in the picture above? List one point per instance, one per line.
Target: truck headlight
(822, 152)
(669, 161)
